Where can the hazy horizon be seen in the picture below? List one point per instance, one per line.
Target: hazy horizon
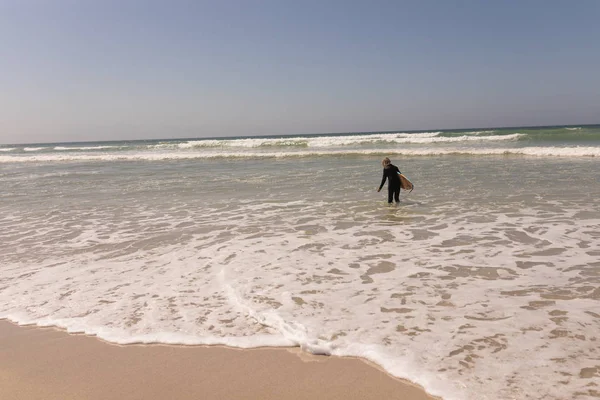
(91, 71)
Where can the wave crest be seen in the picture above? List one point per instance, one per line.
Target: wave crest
(338, 141)
(160, 156)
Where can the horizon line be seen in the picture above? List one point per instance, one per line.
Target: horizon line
(309, 134)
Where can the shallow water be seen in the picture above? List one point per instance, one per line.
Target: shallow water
(482, 284)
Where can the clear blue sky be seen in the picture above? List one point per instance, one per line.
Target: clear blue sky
(104, 69)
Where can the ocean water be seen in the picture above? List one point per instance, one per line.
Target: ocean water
(483, 283)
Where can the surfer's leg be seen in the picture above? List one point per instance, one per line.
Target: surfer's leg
(390, 194)
(397, 195)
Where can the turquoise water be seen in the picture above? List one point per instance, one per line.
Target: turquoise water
(481, 284)
(543, 141)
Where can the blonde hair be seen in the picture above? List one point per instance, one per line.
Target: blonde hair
(385, 162)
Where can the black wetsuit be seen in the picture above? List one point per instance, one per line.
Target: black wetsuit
(391, 174)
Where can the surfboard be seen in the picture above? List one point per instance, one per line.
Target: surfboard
(405, 183)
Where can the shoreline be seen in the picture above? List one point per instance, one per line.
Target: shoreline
(51, 364)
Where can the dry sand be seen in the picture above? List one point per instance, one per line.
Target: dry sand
(46, 363)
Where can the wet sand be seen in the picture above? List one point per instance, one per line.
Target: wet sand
(50, 364)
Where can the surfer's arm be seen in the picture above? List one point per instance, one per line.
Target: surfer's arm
(382, 180)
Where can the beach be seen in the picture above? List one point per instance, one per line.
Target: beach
(481, 284)
(45, 363)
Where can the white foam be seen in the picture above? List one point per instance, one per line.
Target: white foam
(85, 148)
(426, 138)
(285, 274)
(480, 132)
(472, 291)
(578, 151)
(337, 141)
(7, 149)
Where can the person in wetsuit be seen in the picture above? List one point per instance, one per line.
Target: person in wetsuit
(390, 172)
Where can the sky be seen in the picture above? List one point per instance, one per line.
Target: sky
(84, 70)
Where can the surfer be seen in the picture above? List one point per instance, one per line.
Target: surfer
(390, 172)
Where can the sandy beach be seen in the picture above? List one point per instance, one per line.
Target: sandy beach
(46, 363)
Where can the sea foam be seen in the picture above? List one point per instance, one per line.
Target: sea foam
(321, 276)
(574, 151)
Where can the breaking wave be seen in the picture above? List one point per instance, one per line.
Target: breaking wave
(340, 141)
(160, 156)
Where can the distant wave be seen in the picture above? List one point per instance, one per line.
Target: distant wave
(60, 148)
(159, 156)
(316, 141)
(573, 129)
(34, 148)
(464, 138)
(480, 132)
(338, 141)
(7, 149)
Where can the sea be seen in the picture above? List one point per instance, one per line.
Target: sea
(482, 283)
